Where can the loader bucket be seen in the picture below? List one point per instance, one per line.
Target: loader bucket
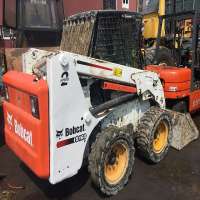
(184, 130)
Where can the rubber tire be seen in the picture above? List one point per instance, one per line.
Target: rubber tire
(164, 56)
(100, 147)
(145, 134)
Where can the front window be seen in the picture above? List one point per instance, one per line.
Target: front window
(38, 14)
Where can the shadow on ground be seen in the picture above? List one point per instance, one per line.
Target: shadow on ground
(59, 191)
(177, 177)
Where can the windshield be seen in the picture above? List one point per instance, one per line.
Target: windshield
(150, 6)
(38, 14)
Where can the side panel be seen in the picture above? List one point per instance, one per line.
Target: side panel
(194, 102)
(177, 90)
(70, 120)
(176, 81)
(127, 113)
(26, 135)
(177, 95)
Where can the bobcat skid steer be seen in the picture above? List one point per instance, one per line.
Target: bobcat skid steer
(75, 110)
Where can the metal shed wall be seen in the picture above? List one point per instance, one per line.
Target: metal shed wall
(75, 6)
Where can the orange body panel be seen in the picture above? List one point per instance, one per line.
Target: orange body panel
(119, 87)
(20, 124)
(176, 81)
(171, 74)
(194, 101)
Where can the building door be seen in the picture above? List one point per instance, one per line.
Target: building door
(109, 4)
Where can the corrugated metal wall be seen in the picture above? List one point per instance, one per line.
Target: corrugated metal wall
(75, 6)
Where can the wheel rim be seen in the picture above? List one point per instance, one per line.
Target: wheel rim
(160, 137)
(116, 163)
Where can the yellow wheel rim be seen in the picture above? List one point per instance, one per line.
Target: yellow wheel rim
(116, 163)
(160, 137)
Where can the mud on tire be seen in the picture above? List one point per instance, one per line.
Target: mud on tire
(154, 134)
(107, 172)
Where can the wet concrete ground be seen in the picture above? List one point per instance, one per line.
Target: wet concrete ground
(176, 178)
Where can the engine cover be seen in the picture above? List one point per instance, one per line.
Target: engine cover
(176, 81)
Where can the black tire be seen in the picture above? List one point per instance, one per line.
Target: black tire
(146, 135)
(100, 156)
(164, 56)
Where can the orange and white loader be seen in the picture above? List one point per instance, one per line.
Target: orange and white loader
(75, 110)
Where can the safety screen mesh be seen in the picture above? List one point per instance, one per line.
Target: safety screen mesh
(109, 35)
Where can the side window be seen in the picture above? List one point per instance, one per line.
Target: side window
(125, 4)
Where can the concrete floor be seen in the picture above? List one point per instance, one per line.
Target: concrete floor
(177, 177)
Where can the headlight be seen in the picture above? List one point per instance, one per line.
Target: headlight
(34, 106)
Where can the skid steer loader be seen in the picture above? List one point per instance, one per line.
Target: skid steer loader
(75, 110)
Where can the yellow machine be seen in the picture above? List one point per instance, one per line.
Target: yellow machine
(152, 10)
(167, 27)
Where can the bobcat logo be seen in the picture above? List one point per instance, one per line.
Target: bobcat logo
(10, 119)
(59, 134)
(64, 78)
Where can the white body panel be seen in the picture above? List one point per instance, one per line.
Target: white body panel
(68, 108)
(125, 114)
(31, 58)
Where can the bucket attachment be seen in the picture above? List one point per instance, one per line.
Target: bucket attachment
(184, 130)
